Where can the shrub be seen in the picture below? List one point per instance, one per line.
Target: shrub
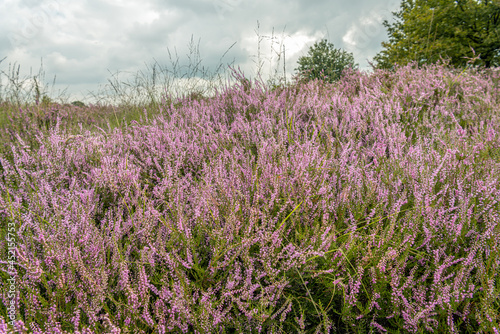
(324, 62)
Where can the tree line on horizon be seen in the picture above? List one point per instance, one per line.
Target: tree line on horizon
(460, 32)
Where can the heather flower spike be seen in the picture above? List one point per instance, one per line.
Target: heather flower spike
(366, 205)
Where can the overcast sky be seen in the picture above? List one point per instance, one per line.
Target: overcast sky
(85, 43)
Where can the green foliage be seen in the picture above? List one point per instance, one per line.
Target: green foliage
(78, 104)
(46, 101)
(426, 31)
(324, 62)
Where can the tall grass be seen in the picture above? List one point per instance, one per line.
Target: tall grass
(368, 205)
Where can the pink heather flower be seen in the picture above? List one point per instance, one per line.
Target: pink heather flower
(378, 326)
(76, 319)
(215, 178)
(20, 327)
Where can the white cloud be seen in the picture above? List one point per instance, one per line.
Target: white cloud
(82, 42)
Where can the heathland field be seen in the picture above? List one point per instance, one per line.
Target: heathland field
(370, 205)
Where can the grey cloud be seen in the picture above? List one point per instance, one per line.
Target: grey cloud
(82, 42)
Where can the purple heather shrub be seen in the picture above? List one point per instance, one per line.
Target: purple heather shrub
(367, 203)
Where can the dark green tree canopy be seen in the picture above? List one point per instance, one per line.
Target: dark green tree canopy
(426, 31)
(324, 62)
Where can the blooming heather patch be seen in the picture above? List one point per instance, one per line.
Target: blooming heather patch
(367, 205)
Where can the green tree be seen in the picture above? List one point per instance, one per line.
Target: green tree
(78, 104)
(426, 31)
(324, 62)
